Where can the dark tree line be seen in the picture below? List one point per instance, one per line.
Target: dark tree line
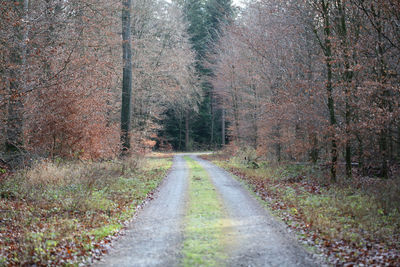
(206, 127)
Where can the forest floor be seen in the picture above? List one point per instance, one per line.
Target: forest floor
(65, 213)
(202, 216)
(353, 222)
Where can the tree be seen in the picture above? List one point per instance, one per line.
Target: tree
(319, 78)
(66, 80)
(127, 75)
(205, 20)
(16, 73)
(323, 7)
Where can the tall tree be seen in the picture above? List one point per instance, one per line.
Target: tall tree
(127, 76)
(206, 19)
(14, 133)
(324, 10)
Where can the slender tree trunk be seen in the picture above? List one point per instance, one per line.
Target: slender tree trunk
(384, 150)
(383, 139)
(236, 117)
(329, 87)
(314, 147)
(223, 127)
(212, 120)
(361, 169)
(235, 102)
(14, 133)
(127, 76)
(348, 76)
(278, 145)
(398, 142)
(390, 137)
(14, 139)
(255, 117)
(187, 140)
(180, 131)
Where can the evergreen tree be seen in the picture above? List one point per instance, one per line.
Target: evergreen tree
(205, 21)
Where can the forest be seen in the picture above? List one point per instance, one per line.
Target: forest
(90, 88)
(296, 81)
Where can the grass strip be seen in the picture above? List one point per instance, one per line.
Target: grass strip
(204, 243)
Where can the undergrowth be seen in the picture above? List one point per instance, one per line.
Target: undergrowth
(352, 221)
(61, 213)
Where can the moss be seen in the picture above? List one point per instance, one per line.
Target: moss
(205, 222)
(102, 232)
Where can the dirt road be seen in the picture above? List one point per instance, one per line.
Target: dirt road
(260, 239)
(156, 236)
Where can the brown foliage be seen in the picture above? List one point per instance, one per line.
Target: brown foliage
(61, 57)
(271, 73)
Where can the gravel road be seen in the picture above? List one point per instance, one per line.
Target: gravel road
(260, 239)
(156, 235)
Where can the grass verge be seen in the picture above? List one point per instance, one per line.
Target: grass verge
(204, 243)
(64, 213)
(346, 223)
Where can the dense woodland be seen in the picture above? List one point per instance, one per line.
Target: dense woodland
(61, 76)
(300, 81)
(314, 80)
(301, 99)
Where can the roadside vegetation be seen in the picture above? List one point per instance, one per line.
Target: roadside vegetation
(64, 213)
(205, 242)
(352, 222)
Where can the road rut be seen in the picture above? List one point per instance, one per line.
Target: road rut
(155, 237)
(260, 239)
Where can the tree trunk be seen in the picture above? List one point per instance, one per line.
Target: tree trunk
(314, 147)
(14, 133)
(329, 87)
(223, 127)
(212, 120)
(361, 169)
(348, 76)
(384, 150)
(180, 131)
(398, 142)
(278, 145)
(255, 116)
(187, 145)
(235, 105)
(14, 138)
(384, 134)
(127, 76)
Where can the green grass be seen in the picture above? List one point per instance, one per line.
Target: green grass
(56, 213)
(205, 225)
(102, 232)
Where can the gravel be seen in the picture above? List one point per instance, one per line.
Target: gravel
(260, 239)
(155, 236)
(255, 237)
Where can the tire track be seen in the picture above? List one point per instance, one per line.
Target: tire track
(155, 237)
(260, 239)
